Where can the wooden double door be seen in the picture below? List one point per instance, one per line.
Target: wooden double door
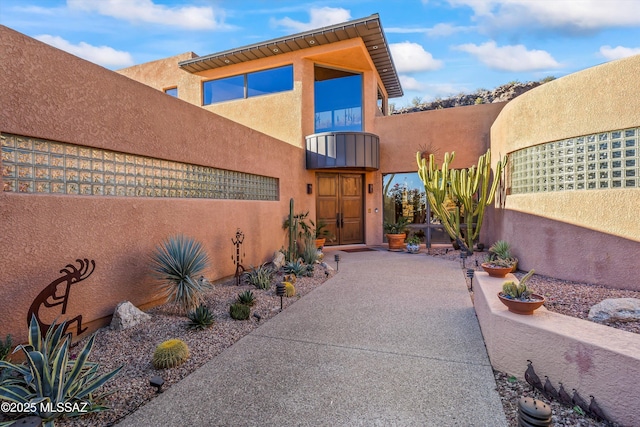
(340, 205)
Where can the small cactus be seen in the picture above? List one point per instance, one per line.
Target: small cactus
(239, 311)
(289, 289)
(170, 354)
(520, 290)
(246, 298)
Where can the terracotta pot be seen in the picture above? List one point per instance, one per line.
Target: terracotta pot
(496, 271)
(396, 241)
(522, 307)
(320, 243)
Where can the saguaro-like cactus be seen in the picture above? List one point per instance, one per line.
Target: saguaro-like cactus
(467, 189)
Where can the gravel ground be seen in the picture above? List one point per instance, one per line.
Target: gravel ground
(134, 347)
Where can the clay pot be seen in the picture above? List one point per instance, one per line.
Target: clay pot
(522, 307)
(496, 271)
(396, 241)
(320, 243)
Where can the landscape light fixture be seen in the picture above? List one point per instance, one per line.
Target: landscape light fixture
(280, 292)
(157, 383)
(336, 258)
(463, 255)
(470, 273)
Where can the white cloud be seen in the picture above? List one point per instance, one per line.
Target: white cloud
(411, 83)
(319, 17)
(102, 55)
(189, 17)
(438, 30)
(571, 15)
(511, 57)
(618, 52)
(411, 57)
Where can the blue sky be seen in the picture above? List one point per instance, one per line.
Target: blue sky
(440, 47)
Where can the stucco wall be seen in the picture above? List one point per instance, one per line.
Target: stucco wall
(603, 223)
(594, 359)
(50, 94)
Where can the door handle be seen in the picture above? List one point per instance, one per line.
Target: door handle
(341, 220)
(338, 220)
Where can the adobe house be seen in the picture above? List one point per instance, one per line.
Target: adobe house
(103, 165)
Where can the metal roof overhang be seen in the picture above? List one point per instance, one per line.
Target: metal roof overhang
(369, 29)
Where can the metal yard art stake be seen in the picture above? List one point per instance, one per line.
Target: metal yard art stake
(237, 242)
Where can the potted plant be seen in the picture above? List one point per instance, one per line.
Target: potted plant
(413, 244)
(519, 298)
(500, 262)
(396, 232)
(502, 250)
(320, 233)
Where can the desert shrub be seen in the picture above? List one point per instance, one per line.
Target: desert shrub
(246, 298)
(260, 276)
(49, 375)
(201, 318)
(170, 353)
(176, 262)
(239, 311)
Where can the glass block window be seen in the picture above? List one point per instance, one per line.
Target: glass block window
(599, 161)
(31, 165)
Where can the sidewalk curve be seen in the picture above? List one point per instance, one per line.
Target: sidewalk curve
(391, 340)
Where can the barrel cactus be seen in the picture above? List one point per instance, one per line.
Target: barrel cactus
(239, 311)
(170, 353)
(289, 289)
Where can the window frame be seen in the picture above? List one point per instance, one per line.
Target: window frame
(246, 89)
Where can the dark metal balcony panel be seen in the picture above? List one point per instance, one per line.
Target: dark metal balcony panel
(343, 150)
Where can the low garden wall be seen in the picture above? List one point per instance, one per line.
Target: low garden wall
(593, 359)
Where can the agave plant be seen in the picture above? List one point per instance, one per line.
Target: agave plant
(176, 262)
(260, 276)
(201, 318)
(246, 298)
(298, 269)
(310, 252)
(49, 379)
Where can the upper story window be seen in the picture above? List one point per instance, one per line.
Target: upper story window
(338, 100)
(247, 85)
(172, 91)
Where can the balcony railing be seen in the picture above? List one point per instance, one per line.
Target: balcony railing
(343, 150)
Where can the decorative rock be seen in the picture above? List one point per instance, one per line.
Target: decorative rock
(616, 310)
(127, 315)
(278, 260)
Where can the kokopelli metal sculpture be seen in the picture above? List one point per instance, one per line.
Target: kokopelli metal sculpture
(57, 294)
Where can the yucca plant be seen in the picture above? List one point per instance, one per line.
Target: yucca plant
(260, 276)
(176, 262)
(49, 378)
(201, 318)
(246, 298)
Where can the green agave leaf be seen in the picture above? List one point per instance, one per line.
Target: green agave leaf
(15, 393)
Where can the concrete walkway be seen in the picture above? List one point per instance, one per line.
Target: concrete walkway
(392, 340)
